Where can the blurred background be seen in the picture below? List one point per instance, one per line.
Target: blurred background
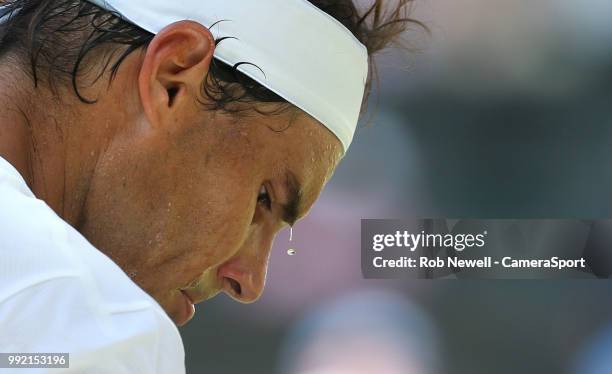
(505, 112)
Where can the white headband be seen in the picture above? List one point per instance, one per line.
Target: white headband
(307, 57)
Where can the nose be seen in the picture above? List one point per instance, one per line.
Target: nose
(244, 275)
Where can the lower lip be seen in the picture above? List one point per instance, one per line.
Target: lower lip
(187, 311)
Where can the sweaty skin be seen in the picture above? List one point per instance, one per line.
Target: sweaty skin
(182, 198)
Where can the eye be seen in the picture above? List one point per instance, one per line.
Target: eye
(264, 198)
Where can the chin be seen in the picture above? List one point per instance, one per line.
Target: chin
(178, 307)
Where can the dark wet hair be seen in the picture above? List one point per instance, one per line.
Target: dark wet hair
(55, 40)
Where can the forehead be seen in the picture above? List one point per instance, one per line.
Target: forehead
(305, 150)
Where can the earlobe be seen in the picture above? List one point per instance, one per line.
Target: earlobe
(173, 69)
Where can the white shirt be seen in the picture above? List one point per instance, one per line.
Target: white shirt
(59, 294)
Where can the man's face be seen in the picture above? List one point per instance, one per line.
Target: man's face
(195, 206)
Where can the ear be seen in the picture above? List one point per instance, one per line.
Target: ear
(174, 67)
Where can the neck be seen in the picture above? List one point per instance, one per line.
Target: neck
(49, 142)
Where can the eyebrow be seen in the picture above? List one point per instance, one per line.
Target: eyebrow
(291, 209)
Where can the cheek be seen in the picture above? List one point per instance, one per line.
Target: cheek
(211, 222)
(167, 218)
